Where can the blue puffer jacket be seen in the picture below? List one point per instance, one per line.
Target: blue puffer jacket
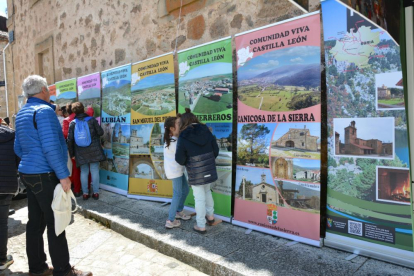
(197, 149)
(43, 150)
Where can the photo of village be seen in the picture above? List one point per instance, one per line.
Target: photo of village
(297, 140)
(365, 137)
(140, 139)
(253, 144)
(389, 91)
(120, 140)
(393, 185)
(92, 97)
(256, 184)
(207, 89)
(282, 80)
(157, 143)
(116, 98)
(154, 95)
(304, 170)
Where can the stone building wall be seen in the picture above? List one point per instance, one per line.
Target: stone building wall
(62, 39)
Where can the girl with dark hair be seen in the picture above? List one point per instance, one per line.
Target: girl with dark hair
(197, 149)
(175, 172)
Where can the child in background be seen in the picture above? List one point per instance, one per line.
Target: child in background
(175, 172)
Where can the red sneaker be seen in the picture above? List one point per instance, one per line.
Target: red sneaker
(85, 196)
(95, 196)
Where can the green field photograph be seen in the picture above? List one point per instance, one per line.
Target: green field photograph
(389, 91)
(205, 93)
(282, 80)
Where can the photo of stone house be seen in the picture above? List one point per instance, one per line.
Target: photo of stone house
(371, 147)
(297, 138)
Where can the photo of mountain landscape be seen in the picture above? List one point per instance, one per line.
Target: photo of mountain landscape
(282, 80)
(92, 97)
(116, 98)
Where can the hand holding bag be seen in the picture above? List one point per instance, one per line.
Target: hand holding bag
(62, 208)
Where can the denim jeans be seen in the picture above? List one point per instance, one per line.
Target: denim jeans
(180, 192)
(95, 177)
(40, 188)
(5, 201)
(204, 203)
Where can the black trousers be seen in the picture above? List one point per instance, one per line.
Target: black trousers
(5, 201)
(40, 188)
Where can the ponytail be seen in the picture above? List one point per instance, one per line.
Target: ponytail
(169, 122)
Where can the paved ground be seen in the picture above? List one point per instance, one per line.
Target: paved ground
(226, 249)
(96, 248)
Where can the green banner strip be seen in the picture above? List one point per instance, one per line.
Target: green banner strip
(377, 207)
(352, 208)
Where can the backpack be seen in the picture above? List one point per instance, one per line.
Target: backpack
(82, 133)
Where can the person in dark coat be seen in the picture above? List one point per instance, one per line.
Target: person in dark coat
(8, 187)
(197, 149)
(87, 157)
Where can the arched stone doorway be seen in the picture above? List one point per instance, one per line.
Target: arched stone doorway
(290, 144)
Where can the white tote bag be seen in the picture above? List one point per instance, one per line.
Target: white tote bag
(62, 208)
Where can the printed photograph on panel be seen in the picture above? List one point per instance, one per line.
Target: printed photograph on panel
(298, 195)
(253, 144)
(142, 167)
(120, 140)
(297, 140)
(153, 95)
(208, 88)
(156, 143)
(282, 80)
(116, 97)
(140, 139)
(389, 91)
(223, 134)
(256, 184)
(365, 137)
(304, 170)
(393, 185)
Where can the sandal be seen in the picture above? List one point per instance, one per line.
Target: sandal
(210, 222)
(199, 231)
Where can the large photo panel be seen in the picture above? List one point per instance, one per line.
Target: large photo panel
(153, 100)
(115, 120)
(368, 205)
(279, 129)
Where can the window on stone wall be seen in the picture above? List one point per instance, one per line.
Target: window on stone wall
(44, 60)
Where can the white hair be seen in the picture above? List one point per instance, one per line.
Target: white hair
(33, 85)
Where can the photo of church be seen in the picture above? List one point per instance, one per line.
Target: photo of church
(364, 137)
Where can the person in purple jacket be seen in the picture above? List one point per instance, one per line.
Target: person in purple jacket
(42, 149)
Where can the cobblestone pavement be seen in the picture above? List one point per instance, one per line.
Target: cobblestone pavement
(95, 248)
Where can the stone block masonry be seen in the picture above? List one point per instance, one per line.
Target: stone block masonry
(65, 39)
